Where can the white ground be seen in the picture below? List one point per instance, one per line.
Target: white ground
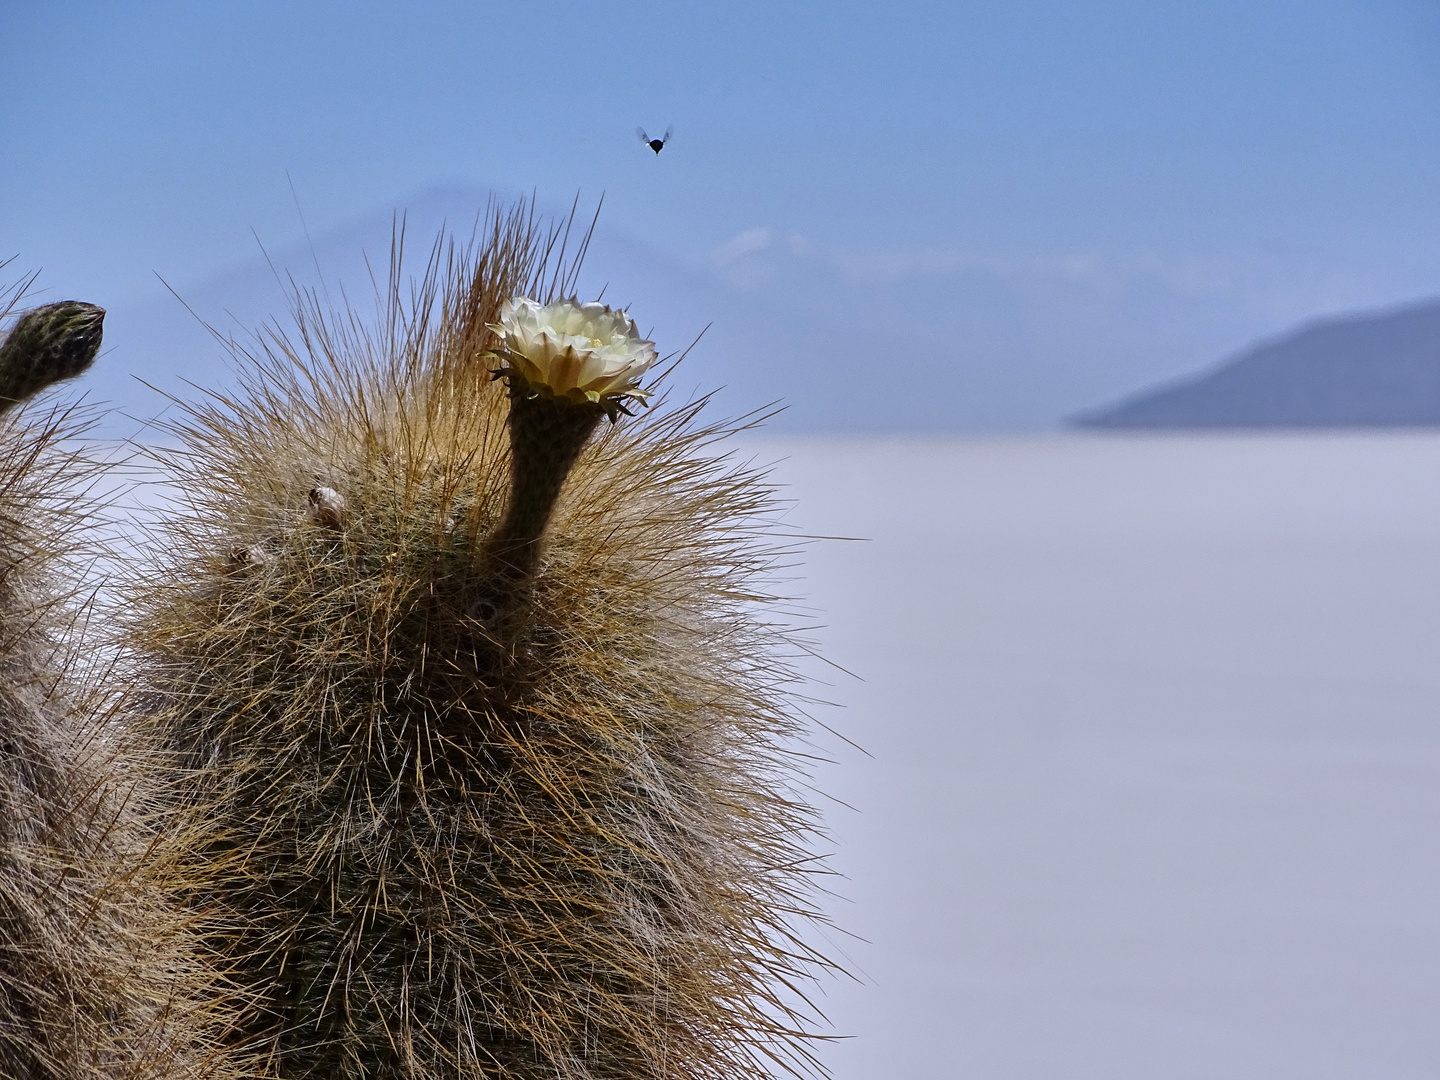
(1155, 725)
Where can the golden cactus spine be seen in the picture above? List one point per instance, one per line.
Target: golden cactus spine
(97, 981)
(478, 806)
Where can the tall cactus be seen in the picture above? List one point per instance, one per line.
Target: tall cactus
(485, 723)
(96, 978)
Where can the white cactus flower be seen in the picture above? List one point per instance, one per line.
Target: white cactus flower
(584, 352)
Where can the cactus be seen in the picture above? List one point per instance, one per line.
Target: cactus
(50, 344)
(485, 730)
(97, 979)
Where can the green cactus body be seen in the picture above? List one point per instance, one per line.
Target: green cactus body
(46, 346)
(480, 802)
(97, 980)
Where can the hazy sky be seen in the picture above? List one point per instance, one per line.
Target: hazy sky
(1145, 184)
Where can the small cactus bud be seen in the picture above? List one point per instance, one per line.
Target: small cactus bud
(327, 507)
(46, 346)
(242, 557)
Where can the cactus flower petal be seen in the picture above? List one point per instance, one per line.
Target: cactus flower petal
(585, 352)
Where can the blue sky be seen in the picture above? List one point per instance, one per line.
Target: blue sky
(1040, 204)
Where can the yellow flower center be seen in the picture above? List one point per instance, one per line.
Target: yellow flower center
(596, 343)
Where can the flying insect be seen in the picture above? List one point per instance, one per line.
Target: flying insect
(655, 144)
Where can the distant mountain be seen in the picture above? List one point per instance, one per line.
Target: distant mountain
(783, 323)
(1374, 370)
(755, 349)
(903, 340)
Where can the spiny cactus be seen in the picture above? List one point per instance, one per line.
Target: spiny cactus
(493, 785)
(50, 344)
(96, 980)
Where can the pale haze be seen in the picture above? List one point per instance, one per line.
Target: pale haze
(1022, 209)
(1153, 774)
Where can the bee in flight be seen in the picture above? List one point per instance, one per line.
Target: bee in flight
(655, 144)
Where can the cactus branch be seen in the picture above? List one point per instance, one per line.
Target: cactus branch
(101, 976)
(46, 346)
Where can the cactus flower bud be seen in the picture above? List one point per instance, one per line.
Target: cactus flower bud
(46, 346)
(327, 507)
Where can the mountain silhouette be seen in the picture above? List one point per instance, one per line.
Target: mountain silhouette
(1377, 369)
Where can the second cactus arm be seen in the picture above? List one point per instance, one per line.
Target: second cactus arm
(99, 979)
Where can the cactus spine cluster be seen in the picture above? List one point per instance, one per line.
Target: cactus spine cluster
(481, 722)
(97, 979)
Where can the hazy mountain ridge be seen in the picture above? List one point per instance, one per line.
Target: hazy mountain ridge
(881, 341)
(1376, 369)
(170, 343)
